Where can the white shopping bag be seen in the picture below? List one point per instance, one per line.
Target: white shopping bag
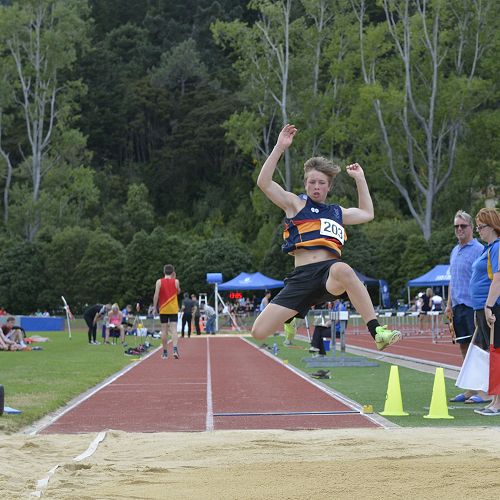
(475, 371)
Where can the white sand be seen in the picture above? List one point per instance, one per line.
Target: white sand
(354, 463)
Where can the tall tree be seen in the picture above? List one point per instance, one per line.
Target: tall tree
(40, 37)
(424, 96)
(264, 56)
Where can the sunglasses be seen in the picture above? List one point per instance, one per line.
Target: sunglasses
(461, 226)
(481, 226)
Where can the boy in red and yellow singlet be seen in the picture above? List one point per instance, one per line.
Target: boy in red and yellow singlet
(166, 303)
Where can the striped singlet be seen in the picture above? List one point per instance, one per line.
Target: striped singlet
(316, 226)
(167, 300)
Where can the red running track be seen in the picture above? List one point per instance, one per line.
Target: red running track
(215, 378)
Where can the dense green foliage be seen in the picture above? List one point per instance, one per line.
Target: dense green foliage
(154, 118)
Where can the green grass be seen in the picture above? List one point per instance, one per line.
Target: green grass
(368, 385)
(39, 382)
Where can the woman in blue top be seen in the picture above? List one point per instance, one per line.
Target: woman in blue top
(485, 288)
(314, 234)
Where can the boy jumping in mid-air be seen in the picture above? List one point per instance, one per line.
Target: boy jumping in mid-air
(314, 234)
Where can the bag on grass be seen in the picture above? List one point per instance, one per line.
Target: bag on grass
(474, 374)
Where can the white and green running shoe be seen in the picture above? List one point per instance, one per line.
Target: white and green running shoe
(384, 338)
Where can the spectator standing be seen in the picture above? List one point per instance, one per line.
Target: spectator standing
(265, 301)
(459, 305)
(290, 329)
(166, 302)
(187, 314)
(196, 313)
(423, 319)
(437, 302)
(91, 316)
(210, 313)
(485, 290)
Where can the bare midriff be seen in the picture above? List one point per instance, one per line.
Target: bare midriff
(304, 257)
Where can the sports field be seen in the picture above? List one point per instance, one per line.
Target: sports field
(229, 420)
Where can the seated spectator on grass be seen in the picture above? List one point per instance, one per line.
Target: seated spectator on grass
(128, 318)
(115, 318)
(321, 329)
(13, 332)
(7, 344)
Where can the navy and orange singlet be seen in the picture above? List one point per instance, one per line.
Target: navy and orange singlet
(316, 226)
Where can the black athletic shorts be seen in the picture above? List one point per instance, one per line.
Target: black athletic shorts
(463, 323)
(168, 318)
(483, 334)
(305, 286)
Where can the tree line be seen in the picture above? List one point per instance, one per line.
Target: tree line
(132, 131)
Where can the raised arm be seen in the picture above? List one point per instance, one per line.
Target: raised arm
(279, 196)
(364, 212)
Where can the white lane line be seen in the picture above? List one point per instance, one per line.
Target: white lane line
(209, 425)
(43, 483)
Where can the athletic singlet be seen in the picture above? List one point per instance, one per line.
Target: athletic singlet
(167, 299)
(316, 226)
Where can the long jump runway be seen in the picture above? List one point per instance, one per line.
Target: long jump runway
(219, 383)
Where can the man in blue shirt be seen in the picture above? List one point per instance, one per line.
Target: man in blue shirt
(459, 307)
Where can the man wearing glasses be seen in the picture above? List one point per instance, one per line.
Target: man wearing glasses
(459, 307)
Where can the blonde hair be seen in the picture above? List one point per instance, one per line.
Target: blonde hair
(490, 217)
(323, 165)
(429, 292)
(115, 307)
(461, 214)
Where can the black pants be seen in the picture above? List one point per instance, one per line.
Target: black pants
(92, 333)
(197, 324)
(483, 334)
(186, 318)
(318, 334)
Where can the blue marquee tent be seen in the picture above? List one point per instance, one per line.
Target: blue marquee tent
(251, 281)
(437, 276)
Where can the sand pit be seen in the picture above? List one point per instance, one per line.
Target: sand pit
(354, 463)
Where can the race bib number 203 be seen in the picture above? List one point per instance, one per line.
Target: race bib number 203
(332, 229)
